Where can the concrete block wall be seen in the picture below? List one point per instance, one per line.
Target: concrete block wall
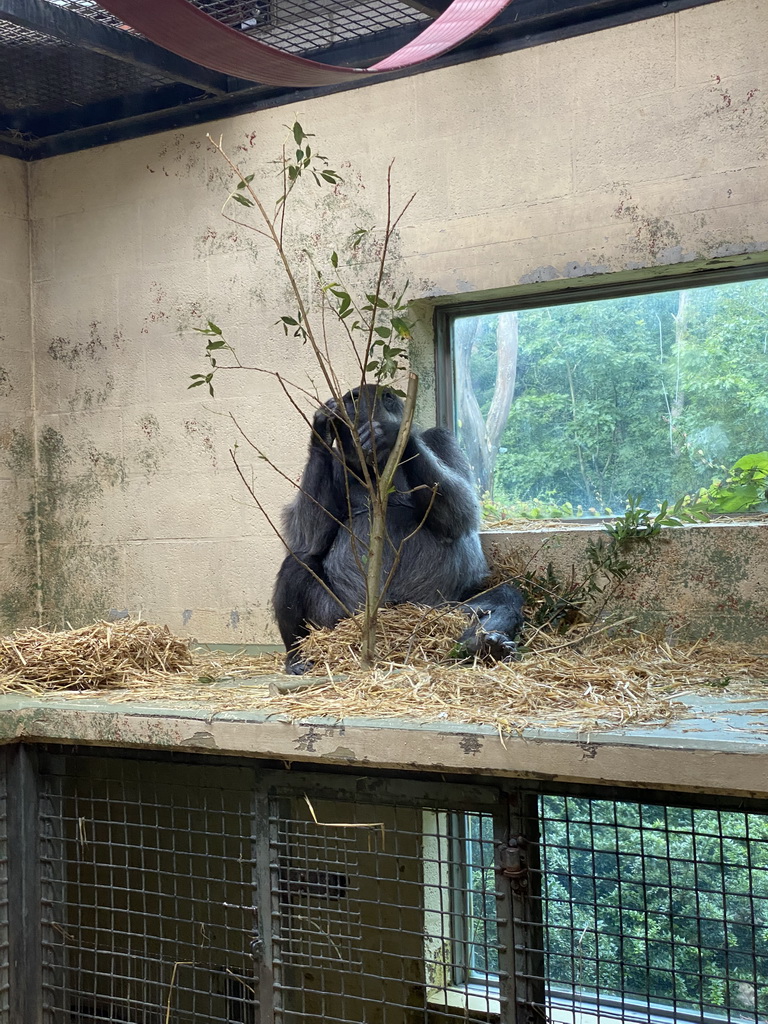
(18, 593)
(628, 150)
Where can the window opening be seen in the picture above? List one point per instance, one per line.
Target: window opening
(650, 912)
(566, 409)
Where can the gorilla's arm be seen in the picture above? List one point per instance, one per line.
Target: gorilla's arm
(311, 521)
(434, 457)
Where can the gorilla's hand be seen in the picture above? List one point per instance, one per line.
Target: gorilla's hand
(377, 437)
(323, 431)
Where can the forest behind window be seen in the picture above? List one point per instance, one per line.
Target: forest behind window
(582, 404)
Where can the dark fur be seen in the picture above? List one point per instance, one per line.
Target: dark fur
(442, 562)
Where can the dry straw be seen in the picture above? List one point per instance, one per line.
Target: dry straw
(102, 655)
(591, 677)
(407, 634)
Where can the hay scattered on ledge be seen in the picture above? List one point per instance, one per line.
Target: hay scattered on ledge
(105, 654)
(407, 634)
(585, 679)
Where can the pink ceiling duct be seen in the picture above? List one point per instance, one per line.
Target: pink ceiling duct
(188, 31)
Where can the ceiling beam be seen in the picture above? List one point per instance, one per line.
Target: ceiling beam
(434, 8)
(88, 34)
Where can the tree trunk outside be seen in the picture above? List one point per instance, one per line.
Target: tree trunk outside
(480, 436)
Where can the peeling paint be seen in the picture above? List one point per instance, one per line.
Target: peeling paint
(574, 269)
(72, 353)
(650, 235)
(548, 273)
(150, 456)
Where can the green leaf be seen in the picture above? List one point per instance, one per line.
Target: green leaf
(383, 332)
(334, 260)
(298, 133)
(402, 327)
(212, 345)
(246, 181)
(243, 200)
(757, 462)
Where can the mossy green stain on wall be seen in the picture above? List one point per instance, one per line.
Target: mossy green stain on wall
(60, 576)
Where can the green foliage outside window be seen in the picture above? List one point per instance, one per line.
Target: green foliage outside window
(659, 394)
(641, 902)
(667, 904)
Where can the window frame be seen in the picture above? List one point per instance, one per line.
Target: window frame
(571, 291)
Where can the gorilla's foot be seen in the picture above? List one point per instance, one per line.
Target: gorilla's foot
(489, 646)
(294, 666)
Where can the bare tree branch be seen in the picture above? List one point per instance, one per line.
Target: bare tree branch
(293, 554)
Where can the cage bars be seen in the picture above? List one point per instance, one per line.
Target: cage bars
(144, 890)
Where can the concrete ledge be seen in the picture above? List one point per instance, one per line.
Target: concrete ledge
(708, 579)
(721, 748)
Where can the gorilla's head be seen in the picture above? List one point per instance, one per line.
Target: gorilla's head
(373, 403)
(376, 413)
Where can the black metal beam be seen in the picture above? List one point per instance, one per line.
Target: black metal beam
(431, 7)
(103, 114)
(538, 21)
(540, 14)
(9, 147)
(88, 34)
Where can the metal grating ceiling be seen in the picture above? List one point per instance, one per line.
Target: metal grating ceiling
(72, 76)
(39, 74)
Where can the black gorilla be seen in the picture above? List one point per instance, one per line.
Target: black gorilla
(326, 529)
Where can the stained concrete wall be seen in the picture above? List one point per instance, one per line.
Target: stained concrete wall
(642, 146)
(693, 581)
(17, 536)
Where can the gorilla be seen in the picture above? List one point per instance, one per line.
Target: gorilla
(432, 515)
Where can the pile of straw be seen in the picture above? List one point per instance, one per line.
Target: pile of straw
(581, 681)
(585, 680)
(590, 678)
(407, 634)
(105, 654)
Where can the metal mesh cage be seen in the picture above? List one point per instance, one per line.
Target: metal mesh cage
(4, 945)
(296, 25)
(650, 911)
(147, 890)
(368, 912)
(39, 74)
(189, 892)
(72, 72)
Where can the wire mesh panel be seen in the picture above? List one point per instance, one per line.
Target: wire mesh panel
(651, 912)
(148, 892)
(182, 893)
(295, 25)
(385, 910)
(4, 944)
